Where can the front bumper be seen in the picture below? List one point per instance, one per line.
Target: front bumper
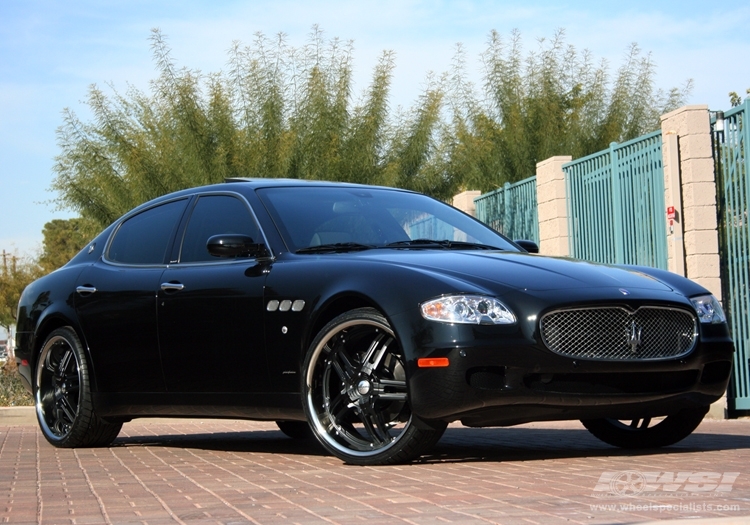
(506, 379)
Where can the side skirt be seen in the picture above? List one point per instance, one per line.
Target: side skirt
(259, 406)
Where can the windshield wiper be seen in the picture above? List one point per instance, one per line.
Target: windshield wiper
(338, 247)
(443, 244)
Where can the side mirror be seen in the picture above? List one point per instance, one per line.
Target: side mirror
(529, 246)
(234, 245)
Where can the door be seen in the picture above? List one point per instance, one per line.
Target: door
(116, 302)
(211, 310)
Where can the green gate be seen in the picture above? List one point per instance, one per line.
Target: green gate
(731, 139)
(616, 204)
(511, 210)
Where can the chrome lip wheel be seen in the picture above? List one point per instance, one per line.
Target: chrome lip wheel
(356, 389)
(58, 380)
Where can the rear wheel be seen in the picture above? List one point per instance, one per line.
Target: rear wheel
(62, 395)
(355, 393)
(295, 429)
(647, 432)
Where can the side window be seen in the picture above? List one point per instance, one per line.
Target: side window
(144, 238)
(214, 215)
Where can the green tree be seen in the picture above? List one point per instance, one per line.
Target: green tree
(15, 274)
(276, 112)
(62, 240)
(735, 99)
(554, 101)
(279, 111)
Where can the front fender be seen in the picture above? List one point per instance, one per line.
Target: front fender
(331, 285)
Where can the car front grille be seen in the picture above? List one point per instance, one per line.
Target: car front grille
(615, 333)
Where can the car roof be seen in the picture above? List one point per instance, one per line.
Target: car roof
(251, 184)
(275, 183)
(233, 183)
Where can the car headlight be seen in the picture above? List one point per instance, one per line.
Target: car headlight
(709, 310)
(467, 309)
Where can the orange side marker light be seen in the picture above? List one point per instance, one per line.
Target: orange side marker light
(433, 362)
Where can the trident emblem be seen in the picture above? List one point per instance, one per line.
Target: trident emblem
(634, 337)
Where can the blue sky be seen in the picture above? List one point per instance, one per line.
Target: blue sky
(51, 51)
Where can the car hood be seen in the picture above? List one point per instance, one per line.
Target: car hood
(521, 271)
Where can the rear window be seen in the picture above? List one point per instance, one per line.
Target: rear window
(145, 238)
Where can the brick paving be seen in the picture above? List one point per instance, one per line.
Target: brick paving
(239, 472)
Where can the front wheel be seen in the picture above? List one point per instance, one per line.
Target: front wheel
(62, 395)
(647, 432)
(355, 393)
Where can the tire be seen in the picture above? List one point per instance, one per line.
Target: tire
(645, 433)
(355, 393)
(295, 429)
(62, 395)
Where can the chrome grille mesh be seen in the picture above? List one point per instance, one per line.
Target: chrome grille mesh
(614, 333)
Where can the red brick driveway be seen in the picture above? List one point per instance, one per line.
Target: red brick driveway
(233, 472)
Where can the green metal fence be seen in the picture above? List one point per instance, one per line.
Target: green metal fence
(616, 204)
(733, 189)
(511, 210)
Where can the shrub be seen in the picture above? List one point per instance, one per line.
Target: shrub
(12, 392)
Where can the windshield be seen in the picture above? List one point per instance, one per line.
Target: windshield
(346, 217)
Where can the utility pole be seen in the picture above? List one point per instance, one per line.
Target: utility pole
(13, 260)
(9, 274)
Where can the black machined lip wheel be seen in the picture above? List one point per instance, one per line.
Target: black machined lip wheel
(356, 390)
(647, 432)
(58, 393)
(635, 425)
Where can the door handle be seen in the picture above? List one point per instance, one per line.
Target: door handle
(172, 287)
(85, 290)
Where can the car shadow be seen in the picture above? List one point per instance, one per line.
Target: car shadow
(458, 444)
(524, 444)
(256, 441)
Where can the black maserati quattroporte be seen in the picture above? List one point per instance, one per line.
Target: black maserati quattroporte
(368, 317)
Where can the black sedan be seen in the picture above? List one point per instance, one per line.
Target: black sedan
(368, 317)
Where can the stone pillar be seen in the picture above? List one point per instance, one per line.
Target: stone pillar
(692, 128)
(552, 210)
(465, 202)
(687, 143)
(673, 199)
